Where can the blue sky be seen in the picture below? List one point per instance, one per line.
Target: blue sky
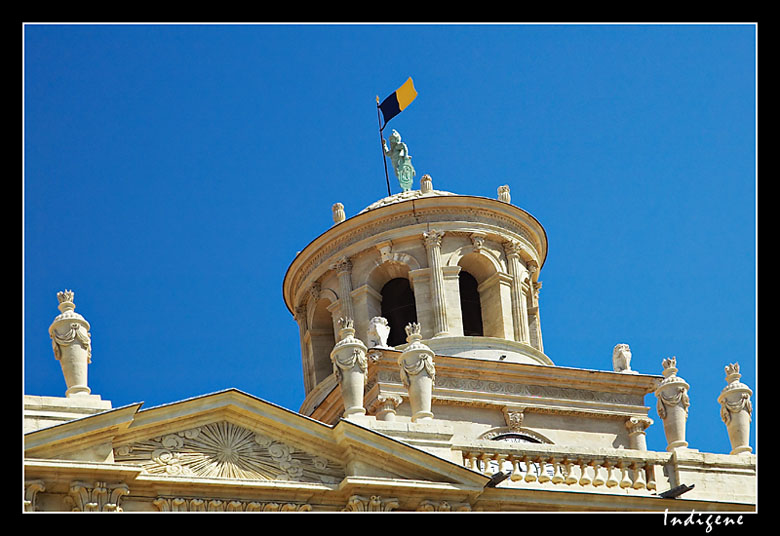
(172, 172)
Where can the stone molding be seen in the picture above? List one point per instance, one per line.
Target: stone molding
(374, 503)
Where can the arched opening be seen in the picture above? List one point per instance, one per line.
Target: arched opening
(321, 339)
(398, 308)
(470, 306)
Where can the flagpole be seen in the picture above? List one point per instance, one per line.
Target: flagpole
(384, 159)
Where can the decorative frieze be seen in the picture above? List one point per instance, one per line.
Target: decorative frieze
(225, 450)
(443, 506)
(178, 504)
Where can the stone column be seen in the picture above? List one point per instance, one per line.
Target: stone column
(519, 306)
(418, 373)
(72, 345)
(673, 405)
(350, 365)
(344, 271)
(637, 439)
(386, 407)
(432, 240)
(736, 410)
(534, 322)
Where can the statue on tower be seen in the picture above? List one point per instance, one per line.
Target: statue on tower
(402, 162)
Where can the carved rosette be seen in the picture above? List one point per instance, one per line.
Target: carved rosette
(736, 410)
(72, 344)
(672, 406)
(350, 365)
(225, 450)
(418, 373)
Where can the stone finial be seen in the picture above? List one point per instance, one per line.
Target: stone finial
(672, 406)
(736, 410)
(72, 344)
(621, 359)
(426, 184)
(350, 364)
(418, 373)
(338, 213)
(503, 194)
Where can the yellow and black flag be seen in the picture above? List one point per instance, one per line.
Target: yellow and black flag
(397, 102)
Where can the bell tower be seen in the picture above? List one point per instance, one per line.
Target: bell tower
(465, 268)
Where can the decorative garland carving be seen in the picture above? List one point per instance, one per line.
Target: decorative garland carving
(225, 450)
(443, 506)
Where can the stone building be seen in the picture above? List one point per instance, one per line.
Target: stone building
(427, 389)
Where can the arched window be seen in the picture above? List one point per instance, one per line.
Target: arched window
(470, 306)
(398, 308)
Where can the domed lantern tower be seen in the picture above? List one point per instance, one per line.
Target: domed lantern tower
(464, 267)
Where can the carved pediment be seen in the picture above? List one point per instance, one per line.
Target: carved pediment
(225, 450)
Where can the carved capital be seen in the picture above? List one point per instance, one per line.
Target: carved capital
(638, 425)
(31, 490)
(432, 238)
(97, 497)
(343, 265)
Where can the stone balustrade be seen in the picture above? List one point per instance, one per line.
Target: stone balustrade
(557, 467)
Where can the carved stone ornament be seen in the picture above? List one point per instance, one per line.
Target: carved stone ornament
(503, 194)
(97, 497)
(443, 506)
(225, 450)
(432, 238)
(418, 373)
(375, 503)
(513, 418)
(72, 344)
(736, 410)
(621, 359)
(338, 213)
(377, 333)
(673, 404)
(350, 364)
(179, 504)
(31, 490)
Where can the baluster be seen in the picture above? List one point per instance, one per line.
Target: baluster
(469, 460)
(611, 480)
(650, 471)
(543, 476)
(485, 464)
(598, 479)
(625, 482)
(639, 475)
(570, 478)
(516, 474)
(529, 474)
(558, 476)
(500, 458)
(584, 478)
